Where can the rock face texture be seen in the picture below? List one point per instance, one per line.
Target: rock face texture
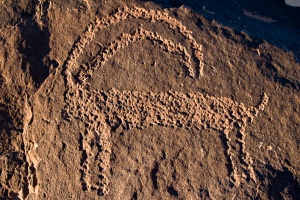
(148, 100)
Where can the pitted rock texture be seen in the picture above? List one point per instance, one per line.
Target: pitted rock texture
(127, 13)
(102, 111)
(112, 100)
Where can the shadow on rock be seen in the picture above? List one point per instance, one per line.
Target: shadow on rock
(270, 20)
(35, 48)
(280, 184)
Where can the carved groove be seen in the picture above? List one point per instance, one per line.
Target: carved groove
(102, 111)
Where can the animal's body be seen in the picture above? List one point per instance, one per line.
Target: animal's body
(104, 110)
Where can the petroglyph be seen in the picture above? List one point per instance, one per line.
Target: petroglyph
(129, 13)
(125, 39)
(103, 111)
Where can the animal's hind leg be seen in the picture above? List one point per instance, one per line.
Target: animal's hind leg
(234, 177)
(246, 157)
(241, 160)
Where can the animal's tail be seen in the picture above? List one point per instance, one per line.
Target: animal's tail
(264, 101)
(253, 111)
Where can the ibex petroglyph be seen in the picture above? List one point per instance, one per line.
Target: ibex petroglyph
(103, 110)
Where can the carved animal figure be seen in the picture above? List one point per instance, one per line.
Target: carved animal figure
(102, 111)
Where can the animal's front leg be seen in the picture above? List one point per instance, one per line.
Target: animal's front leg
(104, 157)
(97, 149)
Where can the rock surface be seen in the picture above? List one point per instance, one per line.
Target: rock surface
(149, 100)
